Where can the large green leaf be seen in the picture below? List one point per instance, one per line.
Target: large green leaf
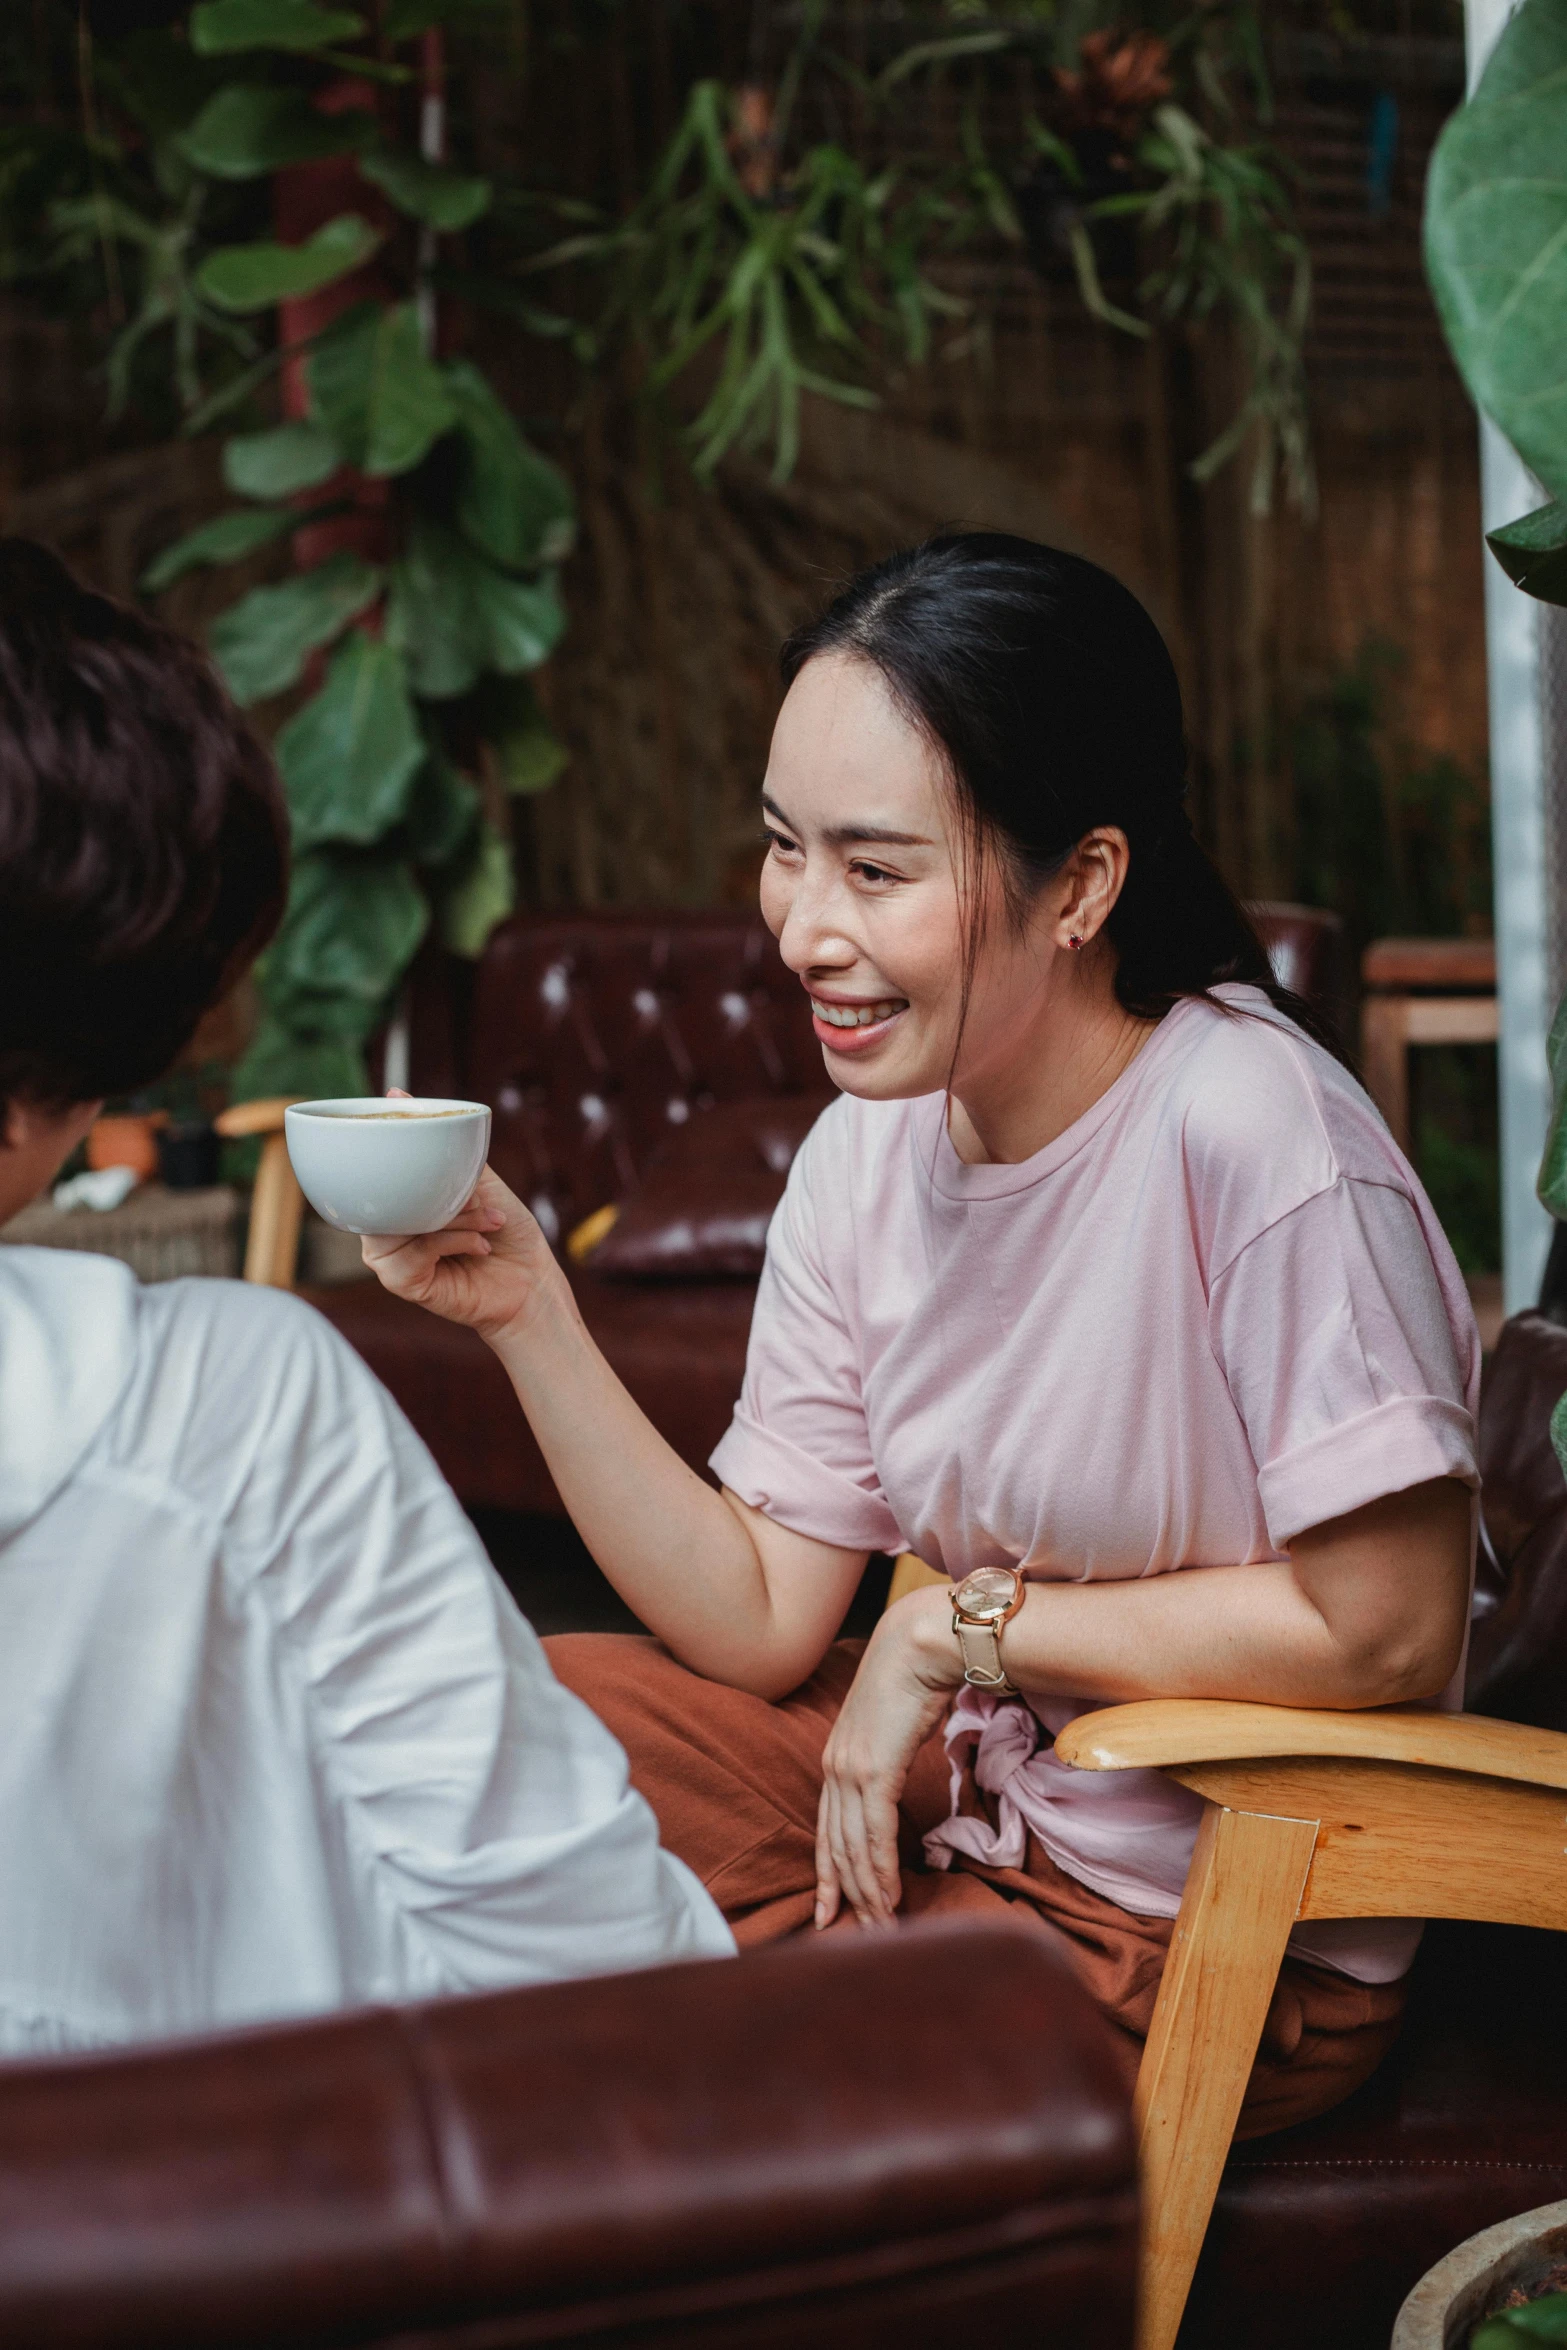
(262, 643)
(432, 615)
(527, 749)
(1533, 552)
(253, 277)
(482, 896)
(279, 1060)
(219, 28)
(249, 129)
(456, 616)
(353, 925)
(277, 464)
(513, 503)
(383, 401)
(1553, 1167)
(443, 811)
(444, 199)
(525, 619)
(350, 755)
(225, 540)
(1496, 237)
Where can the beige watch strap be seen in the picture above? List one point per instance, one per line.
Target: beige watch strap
(981, 1647)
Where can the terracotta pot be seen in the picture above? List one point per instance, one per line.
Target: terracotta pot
(127, 1142)
(1477, 2276)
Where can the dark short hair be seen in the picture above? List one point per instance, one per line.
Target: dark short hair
(1053, 702)
(143, 839)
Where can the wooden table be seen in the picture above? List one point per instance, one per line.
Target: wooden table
(1421, 991)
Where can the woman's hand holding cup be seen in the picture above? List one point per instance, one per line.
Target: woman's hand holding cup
(490, 1267)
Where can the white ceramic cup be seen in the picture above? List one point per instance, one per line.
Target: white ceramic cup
(384, 1166)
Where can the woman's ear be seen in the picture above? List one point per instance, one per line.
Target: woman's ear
(1095, 879)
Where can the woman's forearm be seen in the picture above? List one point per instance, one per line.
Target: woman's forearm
(685, 1558)
(1368, 1610)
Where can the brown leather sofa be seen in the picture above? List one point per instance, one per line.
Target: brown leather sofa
(915, 2143)
(604, 1044)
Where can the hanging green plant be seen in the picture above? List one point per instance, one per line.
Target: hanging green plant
(414, 638)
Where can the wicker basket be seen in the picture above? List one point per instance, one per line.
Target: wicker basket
(160, 1234)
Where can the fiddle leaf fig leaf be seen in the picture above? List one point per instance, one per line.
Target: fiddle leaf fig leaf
(443, 199)
(262, 643)
(219, 28)
(455, 615)
(278, 1060)
(246, 130)
(225, 540)
(254, 277)
(1496, 237)
(528, 752)
(484, 894)
(443, 811)
(430, 613)
(277, 464)
(382, 400)
(1533, 552)
(352, 926)
(524, 619)
(513, 504)
(349, 757)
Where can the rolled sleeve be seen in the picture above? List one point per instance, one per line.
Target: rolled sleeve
(1335, 1328)
(1403, 1443)
(796, 1491)
(798, 1448)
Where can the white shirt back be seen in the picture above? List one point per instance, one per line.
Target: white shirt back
(276, 1739)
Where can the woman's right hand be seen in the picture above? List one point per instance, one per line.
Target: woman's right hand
(490, 1267)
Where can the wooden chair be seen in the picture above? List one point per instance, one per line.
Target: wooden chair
(1387, 1813)
(277, 1205)
(1395, 1812)
(1421, 991)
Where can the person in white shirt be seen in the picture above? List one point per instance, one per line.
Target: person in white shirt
(276, 1739)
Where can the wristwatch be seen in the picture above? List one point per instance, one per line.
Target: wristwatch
(981, 1605)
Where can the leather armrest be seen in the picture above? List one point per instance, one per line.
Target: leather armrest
(848, 2142)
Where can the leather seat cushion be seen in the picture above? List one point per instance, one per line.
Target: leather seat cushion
(680, 1348)
(1319, 2232)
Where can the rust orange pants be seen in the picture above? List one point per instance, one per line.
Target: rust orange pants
(735, 1780)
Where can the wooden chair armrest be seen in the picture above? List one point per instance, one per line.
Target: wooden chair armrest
(1167, 1732)
(247, 1118)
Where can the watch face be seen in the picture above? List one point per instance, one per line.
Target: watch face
(987, 1593)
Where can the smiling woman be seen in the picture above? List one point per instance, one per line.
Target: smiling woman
(1102, 1287)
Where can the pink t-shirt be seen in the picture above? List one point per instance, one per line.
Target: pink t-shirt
(1215, 1311)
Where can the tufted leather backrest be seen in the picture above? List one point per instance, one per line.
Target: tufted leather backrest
(1309, 951)
(594, 1036)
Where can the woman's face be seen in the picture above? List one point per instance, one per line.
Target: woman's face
(863, 888)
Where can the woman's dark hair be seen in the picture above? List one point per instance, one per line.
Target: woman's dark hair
(1053, 701)
(143, 841)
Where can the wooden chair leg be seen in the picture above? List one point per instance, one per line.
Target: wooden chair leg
(1242, 1897)
(277, 1207)
(1384, 1053)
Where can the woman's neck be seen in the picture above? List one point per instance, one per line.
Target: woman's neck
(1066, 1057)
